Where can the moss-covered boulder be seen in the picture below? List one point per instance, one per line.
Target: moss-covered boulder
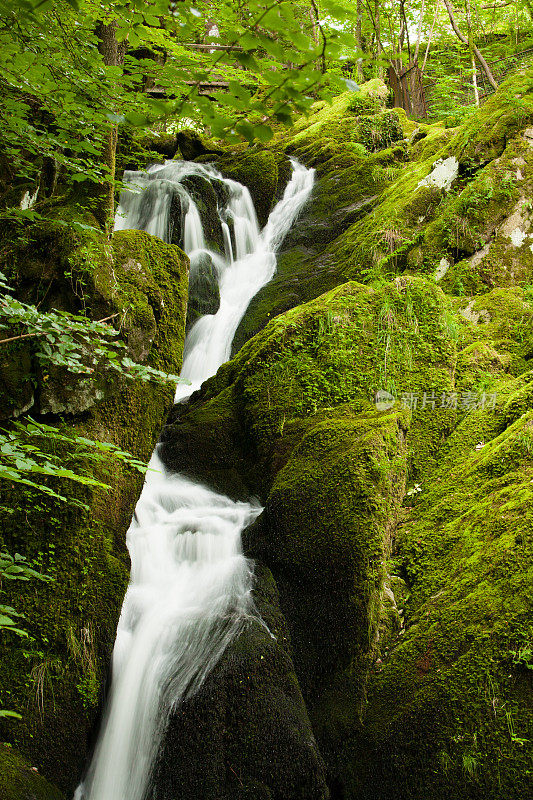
(449, 710)
(400, 337)
(325, 533)
(506, 113)
(20, 781)
(57, 679)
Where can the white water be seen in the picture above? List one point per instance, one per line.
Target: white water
(190, 587)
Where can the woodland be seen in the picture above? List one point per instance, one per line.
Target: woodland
(367, 430)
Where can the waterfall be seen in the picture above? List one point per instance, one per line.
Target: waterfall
(190, 586)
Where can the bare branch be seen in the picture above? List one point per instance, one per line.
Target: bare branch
(464, 40)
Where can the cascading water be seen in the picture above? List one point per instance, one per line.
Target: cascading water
(190, 587)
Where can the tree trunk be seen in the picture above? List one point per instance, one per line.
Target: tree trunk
(472, 56)
(359, 38)
(430, 37)
(464, 40)
(377, 27)
(112, 53)
(314, 30)
(419, 32)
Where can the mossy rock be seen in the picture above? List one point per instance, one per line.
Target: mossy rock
(204, 291)
(497, 326)
(324, 535)
(485, 134)
(58, 682)
(19, 781)
(335, 120)
(408, 225)
(67, 265)
(450, 705)
(259, 171)
(191, 145)
(342, 347)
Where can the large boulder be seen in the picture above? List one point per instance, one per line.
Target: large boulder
(20, 781)
(246, 735)
(58, 680)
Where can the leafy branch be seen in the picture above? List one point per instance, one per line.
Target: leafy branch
(14, 568)
(72, 341)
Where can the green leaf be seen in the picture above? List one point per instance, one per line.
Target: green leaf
(136, 119)
(263, 133)
(12, 714)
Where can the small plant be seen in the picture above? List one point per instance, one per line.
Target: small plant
(470, 765)
(72, 341)
(14, 568)
(512, 731)
(523, 657)
(22, 459)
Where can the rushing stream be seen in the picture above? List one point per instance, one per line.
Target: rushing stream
(190, 587)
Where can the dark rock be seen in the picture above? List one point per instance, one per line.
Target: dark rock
(204, 292)
(246, 733)
(191, 145)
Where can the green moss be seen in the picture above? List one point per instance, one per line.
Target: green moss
(428, 140)
(450, 697)
(495, 333)
(18, 780)
(258, 170)
(56, 683)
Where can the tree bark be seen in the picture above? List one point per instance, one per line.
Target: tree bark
(430, 37)
(471, 48)
(419, 32)
(464, 40)
(359, 37)
(112, 53)
(377, 27)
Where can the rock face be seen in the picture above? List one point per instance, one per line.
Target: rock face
(248, 729)
(82, 547)
(409, 612)
(19, 780)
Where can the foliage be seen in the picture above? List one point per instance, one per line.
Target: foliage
(55, 81)
(72, 341)
(21, 455)
(14, 568)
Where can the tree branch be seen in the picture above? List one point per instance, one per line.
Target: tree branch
(464, 40)
(43, 333)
